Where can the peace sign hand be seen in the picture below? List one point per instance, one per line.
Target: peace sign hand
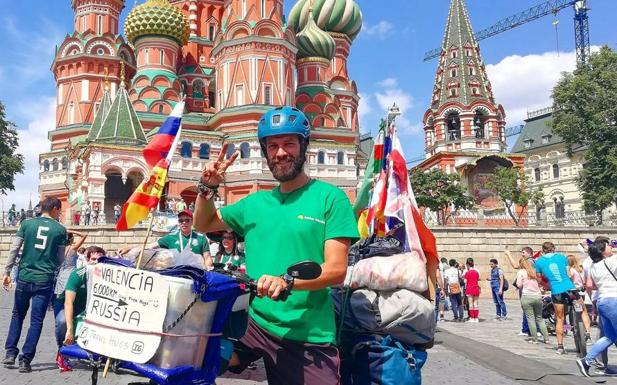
(214, 172)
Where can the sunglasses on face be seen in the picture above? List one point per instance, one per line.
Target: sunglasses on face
(184, 221)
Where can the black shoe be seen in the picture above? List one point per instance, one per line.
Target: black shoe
(9, 361)
(583, 367)
(24, 366)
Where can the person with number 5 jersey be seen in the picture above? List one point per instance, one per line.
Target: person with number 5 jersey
(44, 240)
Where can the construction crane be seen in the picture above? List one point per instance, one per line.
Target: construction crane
(581, 25)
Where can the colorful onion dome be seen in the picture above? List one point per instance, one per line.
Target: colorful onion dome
(157, 17)
(313, 42)
(339, 16)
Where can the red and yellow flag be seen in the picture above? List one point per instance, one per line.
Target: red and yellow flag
(144, 198)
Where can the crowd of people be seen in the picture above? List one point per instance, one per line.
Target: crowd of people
(47, 264)
(546, 276)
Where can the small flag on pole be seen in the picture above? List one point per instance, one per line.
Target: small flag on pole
(144, 198)
(161, 144)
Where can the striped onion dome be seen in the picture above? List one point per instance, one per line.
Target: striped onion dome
(157, 17)
(313, 42)
(339, 16)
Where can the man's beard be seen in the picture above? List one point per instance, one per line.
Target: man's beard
(284, 173)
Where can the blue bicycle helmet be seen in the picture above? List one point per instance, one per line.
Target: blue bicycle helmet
(283, 120)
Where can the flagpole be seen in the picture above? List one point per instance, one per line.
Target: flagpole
(168, 159)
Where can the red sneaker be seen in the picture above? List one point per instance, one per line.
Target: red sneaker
(62, 364)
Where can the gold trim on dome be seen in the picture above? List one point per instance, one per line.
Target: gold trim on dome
(313, 59)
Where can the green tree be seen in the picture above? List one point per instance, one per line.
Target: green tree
(510, 185)
(11, 163)
(585, 104)
(439, 192)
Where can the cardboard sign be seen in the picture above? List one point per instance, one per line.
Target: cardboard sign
(125, 310)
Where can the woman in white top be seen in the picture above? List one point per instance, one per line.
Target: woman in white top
(531, 300)
(603, 273)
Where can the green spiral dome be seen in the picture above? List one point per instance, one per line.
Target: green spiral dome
(313, 42)
(157, 17)
(340, 16)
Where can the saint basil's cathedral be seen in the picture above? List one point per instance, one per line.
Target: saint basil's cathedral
(231, 60)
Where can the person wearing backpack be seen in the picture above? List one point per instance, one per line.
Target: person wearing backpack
(452, 278)
(499, 284)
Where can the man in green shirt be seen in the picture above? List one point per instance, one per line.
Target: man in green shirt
(182, 239)
(44, 241)
(75, 293)
(301, 219)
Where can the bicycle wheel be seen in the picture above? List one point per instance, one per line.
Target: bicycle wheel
(578, 329)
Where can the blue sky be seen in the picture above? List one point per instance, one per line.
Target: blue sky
(386, 62)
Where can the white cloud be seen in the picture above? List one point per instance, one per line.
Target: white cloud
(392, 94)
(388, 83)
(41, 116)
(525, 83)
(381, 30)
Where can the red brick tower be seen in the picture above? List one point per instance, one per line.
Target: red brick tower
(464, 127)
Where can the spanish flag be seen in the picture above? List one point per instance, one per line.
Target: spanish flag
(144, 198)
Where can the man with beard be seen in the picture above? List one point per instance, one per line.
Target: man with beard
(301, 219)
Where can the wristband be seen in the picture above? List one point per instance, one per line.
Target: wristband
(205, 191)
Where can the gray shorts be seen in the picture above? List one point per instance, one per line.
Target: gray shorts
(288, 362)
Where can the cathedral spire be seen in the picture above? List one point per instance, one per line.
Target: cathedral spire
(461, 75)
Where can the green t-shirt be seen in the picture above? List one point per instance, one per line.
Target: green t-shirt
(280, 230)
(77, 283)
(42, 236)
(199, 243)
(236, 259)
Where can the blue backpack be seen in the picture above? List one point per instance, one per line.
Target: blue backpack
(385, 361)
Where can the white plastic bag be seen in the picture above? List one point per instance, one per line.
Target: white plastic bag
(399, 271)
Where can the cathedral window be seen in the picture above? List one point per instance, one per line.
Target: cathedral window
(340, 158)
(454, 126)
(160, 108)
(263, 9)
(245, 151)
(478, 125)
(537, 174)
(54, 164)
(321, 157)
(560, 208)
(454, 54)
(453, 72)
(239, 95)
(146, 56)
(243, 9)
(211, 31)
(556, 171)
(467, 51)
(472, 71)
(453, 92)
(64, 163)
(186, 150)
(198, 89)
(161, 57)
(46, 165)
(318, 74)
(230, 150)
(71, 113)
(268, 94)
(204, 151)
(99, 24)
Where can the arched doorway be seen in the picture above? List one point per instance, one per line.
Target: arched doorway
(189, 195)
(118, 191)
